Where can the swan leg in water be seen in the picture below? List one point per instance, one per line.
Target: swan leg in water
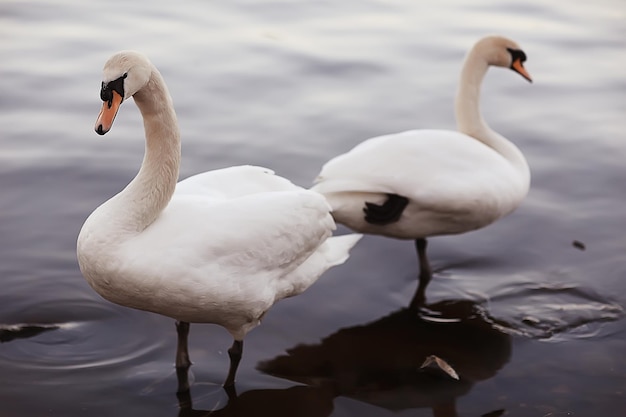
(390, 212)
(234, 353)
(425, 274)
(183, 363)
(182, 356)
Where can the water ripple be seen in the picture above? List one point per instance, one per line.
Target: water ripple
(555, 312)
(75, 334)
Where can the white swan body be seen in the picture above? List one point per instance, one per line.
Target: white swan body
(450, 182)
(222, 256)
(454, 184)
(219, 247)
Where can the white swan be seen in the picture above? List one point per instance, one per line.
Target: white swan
(220, 247)
(422, 183)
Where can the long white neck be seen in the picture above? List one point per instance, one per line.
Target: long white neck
(151, 190)
(468, 117)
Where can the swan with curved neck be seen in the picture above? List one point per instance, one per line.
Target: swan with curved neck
(422, 183)
(219, 247)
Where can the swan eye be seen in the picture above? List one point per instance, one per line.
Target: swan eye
(106, 91)
(517, 54)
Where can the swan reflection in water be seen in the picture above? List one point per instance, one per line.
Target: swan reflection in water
(380, 363)
(300, 401)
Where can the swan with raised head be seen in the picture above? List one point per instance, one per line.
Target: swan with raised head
(219, 247)
(421, 183)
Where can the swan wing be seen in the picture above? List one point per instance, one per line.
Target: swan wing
(434, 167)
(234, 182)
(258, 235)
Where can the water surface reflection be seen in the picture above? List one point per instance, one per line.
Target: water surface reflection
(301, 401)
(380, 362)
(23, 331)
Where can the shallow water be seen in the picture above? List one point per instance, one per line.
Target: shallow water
(533, 324)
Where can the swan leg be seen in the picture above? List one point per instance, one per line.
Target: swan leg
(182, 356)
(425, 274)
(231, 391)
(234, 353)
(185, 403)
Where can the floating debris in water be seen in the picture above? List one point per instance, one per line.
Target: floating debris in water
(21, 331)
(443, 365)
(495, 413)
(578, 245)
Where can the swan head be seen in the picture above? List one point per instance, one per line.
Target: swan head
(125, 73)
(502, 52)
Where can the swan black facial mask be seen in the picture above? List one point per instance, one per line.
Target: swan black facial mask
(518, 57)
(112, 95)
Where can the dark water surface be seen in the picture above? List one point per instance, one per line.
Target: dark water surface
(532, 323)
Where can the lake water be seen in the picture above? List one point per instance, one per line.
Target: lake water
(532, 322)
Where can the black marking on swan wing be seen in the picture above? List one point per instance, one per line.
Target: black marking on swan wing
(389, 212)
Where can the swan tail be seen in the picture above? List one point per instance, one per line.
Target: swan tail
(338, 248)
(334, 251)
